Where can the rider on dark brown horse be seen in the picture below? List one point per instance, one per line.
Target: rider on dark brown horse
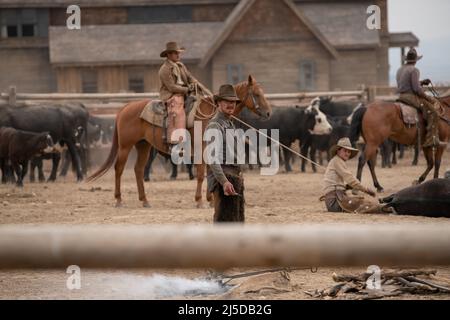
(412, 93)
(225, 181)
(175, 80)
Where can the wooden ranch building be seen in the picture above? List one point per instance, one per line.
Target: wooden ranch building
(288, 45)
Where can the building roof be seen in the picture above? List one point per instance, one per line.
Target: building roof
(403, 39)
(128, 44)
(238, 13)
(103, 3)
(343, 24)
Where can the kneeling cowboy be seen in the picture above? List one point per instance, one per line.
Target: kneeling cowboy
(225, 181)
(412, 93)
(337, 176)
(175, 80)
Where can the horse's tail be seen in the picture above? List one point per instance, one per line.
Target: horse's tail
(356, 124)
(109, 161)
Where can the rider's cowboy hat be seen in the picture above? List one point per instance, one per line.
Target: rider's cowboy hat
(344, 143)
(171, 47)
(226, 92)
(412, 56)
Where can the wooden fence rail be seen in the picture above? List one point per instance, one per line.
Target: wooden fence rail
(12, 96)
(224, 246)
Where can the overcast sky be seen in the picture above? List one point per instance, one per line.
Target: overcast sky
(430, 22)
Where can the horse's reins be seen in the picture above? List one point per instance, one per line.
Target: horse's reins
(434, 92)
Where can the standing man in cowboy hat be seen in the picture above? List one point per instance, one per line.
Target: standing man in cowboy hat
(338, 176)
(225, 180)
(412, 93)
(175, 80)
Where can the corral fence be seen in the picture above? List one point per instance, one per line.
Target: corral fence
(103, 103)
(224, 246)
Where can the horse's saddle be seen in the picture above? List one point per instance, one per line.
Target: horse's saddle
(155, 112)
(410, 114)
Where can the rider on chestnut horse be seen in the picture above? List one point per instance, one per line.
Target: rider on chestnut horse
(175, 80)
(412, 93)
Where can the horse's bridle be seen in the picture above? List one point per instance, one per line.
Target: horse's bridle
(252, 96)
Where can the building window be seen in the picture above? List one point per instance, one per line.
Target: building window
(11, 32)
(28, 30)
(159, 14)
(307, 75)
(136, 80)
(23, 23)
(234, 73)
(89, 81)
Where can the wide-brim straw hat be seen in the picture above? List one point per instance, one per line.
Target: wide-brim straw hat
(171, 47)
(226, 92)
(346, 144)
(412, 56)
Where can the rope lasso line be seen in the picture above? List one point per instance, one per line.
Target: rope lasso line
(281, 144)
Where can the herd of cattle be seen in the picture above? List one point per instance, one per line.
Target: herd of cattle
(31, 134)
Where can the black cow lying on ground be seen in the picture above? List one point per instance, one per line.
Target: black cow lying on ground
(17, 147)
(429, 199)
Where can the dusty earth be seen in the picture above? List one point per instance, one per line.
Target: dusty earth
(284, 199)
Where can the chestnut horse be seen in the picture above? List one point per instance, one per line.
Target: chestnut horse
(382, 120)
(131, 131)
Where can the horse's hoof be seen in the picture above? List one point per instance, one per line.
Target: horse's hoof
(146, 205)
(380, 190)
(415, 182)
(202, 205)
(211, 204)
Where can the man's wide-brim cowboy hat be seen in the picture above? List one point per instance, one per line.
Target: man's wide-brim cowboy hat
(346, 144)
(226, 92)
(171, 47)
(412, 56)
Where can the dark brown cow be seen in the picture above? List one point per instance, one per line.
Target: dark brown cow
(17, 147)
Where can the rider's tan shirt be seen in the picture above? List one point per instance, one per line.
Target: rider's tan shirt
(337, 175)
(174, 78)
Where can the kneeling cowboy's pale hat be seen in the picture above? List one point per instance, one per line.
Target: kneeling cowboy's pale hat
(171, 47)
(226, 92)
(346, 144)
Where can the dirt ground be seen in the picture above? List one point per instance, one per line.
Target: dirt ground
(284, 199)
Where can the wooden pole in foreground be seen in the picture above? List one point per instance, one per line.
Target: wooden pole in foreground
(224, 246)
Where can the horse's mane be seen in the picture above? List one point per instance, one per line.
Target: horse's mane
(240, 84)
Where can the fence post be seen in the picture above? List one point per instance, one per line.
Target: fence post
(371, 93)
(12, 97)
